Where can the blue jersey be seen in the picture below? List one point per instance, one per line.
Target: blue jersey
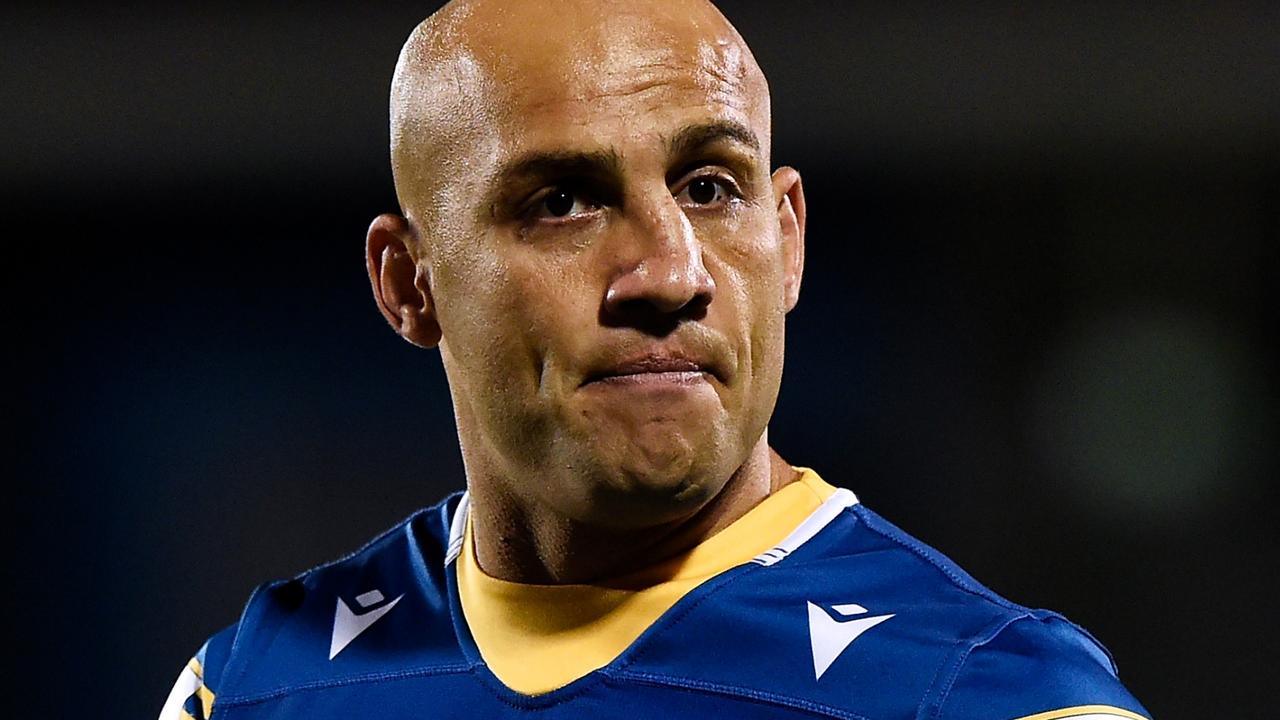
(849, 617)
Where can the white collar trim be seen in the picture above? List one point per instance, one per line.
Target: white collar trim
(817, 520)
(457, 526)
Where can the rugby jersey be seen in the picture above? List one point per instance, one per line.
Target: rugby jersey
(808, 606)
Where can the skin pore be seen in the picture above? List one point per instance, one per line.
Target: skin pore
(593, 239)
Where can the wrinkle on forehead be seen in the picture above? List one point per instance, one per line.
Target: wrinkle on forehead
(727, 63)
(477, 63)
(621, 47)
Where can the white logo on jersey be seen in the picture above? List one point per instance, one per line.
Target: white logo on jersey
(348, 625)
(829, 637)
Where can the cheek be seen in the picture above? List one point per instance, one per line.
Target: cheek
(744, 255)
(480, 320)
(508, 320)
(746, 240)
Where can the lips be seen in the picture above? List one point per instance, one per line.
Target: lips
(654, 362)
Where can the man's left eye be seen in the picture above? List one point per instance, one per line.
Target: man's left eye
(704, 191)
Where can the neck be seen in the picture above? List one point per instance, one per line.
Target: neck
(518, 542)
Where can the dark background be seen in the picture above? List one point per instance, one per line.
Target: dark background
(1038, 327)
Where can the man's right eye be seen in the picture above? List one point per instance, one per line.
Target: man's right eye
(560, 203)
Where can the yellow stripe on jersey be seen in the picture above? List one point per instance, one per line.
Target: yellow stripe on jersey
(194, 664)
(184, 715)
(536, 638)
(206, 699)
(1086, 712)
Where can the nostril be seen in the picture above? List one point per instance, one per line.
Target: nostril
(641, 313)
(696, 308)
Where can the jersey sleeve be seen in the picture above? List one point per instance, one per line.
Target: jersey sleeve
(193, 695)
(1040, 667)
(190, 698)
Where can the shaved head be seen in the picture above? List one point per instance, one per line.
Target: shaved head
(475, 63)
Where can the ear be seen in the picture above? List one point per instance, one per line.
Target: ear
(400, 287)
(788, 193)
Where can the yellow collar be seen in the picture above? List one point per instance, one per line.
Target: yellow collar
(536, 638)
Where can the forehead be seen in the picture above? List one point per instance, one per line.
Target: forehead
(626, 70)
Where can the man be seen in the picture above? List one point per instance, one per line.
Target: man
(593, 239)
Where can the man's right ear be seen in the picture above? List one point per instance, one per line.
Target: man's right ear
(402, 295)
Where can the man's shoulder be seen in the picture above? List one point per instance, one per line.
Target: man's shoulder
(391, 593)
(862, 617)
(997, 658)
(860, 557)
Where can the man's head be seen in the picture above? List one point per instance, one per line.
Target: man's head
(587, 195)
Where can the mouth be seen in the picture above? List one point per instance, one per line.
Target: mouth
(652, 379)
(653, 369)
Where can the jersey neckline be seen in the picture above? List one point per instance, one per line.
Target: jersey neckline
(836, 500)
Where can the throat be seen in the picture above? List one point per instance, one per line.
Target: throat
(535, 545)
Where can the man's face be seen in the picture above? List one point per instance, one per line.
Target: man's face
(606, 261)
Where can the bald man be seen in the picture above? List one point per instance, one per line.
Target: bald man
(593, 238)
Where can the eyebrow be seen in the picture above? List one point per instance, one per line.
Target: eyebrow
(554, 163)
(602, 162)
(693, 137)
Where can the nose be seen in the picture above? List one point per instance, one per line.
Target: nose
(659, 273)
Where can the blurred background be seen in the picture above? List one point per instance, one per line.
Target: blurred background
(1038, 327)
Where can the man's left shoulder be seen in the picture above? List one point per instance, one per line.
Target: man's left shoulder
(973, 652)
(861, 618)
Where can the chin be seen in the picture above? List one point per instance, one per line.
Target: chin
(664, 456)
(652, 484)
(648, 471)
